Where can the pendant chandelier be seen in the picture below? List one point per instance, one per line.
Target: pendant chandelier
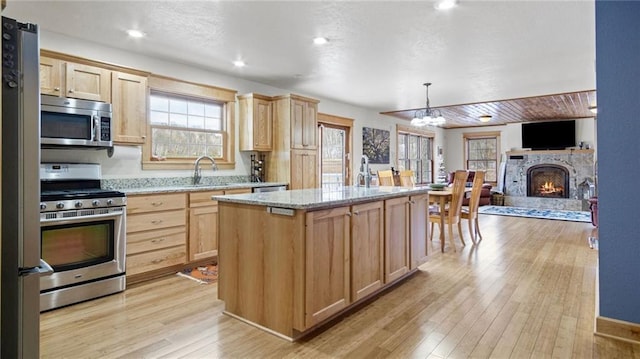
(428, 116)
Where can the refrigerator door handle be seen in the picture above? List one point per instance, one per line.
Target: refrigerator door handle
(43, 270)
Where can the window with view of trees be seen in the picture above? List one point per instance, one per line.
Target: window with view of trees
(187, 120)
(482, 153)
(183, 127)
(415, 152)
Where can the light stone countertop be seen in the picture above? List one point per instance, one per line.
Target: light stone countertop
(318, 198)
(198, 188)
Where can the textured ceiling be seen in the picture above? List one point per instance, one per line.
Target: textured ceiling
(379, 52)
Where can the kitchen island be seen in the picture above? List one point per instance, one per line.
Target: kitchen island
(291, 261)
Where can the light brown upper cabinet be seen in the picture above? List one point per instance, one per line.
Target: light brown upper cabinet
(51, 76)
(68, 79)
(304, 123)
(129, 100)
(256, 122)
(294, 158)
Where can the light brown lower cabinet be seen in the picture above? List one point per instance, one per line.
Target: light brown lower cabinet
(305, 267)
(396, 212)
(156, 234)
(418, 207)
(203, 223)
(367, 249)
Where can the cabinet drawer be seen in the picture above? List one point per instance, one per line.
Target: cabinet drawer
(162, 258)
(162, 202)
(200, 199)
(156, 220)
(153, 240)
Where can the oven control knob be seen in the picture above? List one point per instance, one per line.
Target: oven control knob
(109, 202)
(59, 205)
(95, 203)
(78, 204)
(43, 206)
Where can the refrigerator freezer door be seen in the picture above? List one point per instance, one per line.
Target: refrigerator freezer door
(29, 316)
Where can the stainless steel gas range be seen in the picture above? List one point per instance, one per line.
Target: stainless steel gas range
(82, 235)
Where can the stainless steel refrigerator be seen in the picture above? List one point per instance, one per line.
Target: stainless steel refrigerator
(20, 246)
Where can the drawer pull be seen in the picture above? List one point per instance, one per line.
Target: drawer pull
(156, 204)
(156, 261)
(156, 221)
(157, 240)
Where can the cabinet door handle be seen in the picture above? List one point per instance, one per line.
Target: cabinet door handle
(348, 214)
(412, 201)
(56, 89)
(156, 204)
(356, 212)
(70, 90)
(156, 221)
(157, 240)
(156, 261)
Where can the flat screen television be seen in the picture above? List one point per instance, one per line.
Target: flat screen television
(554, 135)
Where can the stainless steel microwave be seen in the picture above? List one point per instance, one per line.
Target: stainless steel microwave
(71, 122)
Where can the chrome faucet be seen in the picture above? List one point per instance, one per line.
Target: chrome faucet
(197, 174)
(364, 172)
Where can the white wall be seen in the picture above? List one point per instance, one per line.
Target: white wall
(510, 139)
(126, 162)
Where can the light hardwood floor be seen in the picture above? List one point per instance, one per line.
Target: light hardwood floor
(527, 290)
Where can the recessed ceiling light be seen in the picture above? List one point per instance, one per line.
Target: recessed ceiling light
(320, 40)
(239, 63)
(135, 33)
(445, 4)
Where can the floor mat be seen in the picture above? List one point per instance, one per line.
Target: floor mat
(574, 216)
(203, 274)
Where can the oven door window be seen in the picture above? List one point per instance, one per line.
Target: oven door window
(66, 125)
(71, 246)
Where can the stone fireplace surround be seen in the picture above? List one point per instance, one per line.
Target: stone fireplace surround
(579, 164)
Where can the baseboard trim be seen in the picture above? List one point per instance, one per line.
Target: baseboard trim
(618, 329)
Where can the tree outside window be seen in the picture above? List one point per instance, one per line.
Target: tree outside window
(482, 152)
(415, 152)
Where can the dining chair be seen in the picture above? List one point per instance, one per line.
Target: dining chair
(470, 213)
(452, 212)
(385, 178)
(407, 178)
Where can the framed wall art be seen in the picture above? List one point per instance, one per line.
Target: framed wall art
(375, 145)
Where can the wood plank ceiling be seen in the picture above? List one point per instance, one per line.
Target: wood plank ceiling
(564, 106)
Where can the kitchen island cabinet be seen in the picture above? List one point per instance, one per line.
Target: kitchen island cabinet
(291, 261)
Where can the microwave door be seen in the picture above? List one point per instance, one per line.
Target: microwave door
(69, 127)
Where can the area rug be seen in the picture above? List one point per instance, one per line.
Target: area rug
(203, 274)
(574, 216)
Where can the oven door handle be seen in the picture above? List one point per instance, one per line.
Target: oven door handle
(82, 218)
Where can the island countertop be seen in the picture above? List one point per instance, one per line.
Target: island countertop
(318, 198)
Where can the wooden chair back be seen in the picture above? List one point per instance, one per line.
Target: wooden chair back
(457, 193)
(407, 178)
(474, 201)
(385, 178)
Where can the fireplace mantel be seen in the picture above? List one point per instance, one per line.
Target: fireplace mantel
(548, 152)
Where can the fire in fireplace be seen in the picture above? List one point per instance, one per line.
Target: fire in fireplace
(550, 181)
